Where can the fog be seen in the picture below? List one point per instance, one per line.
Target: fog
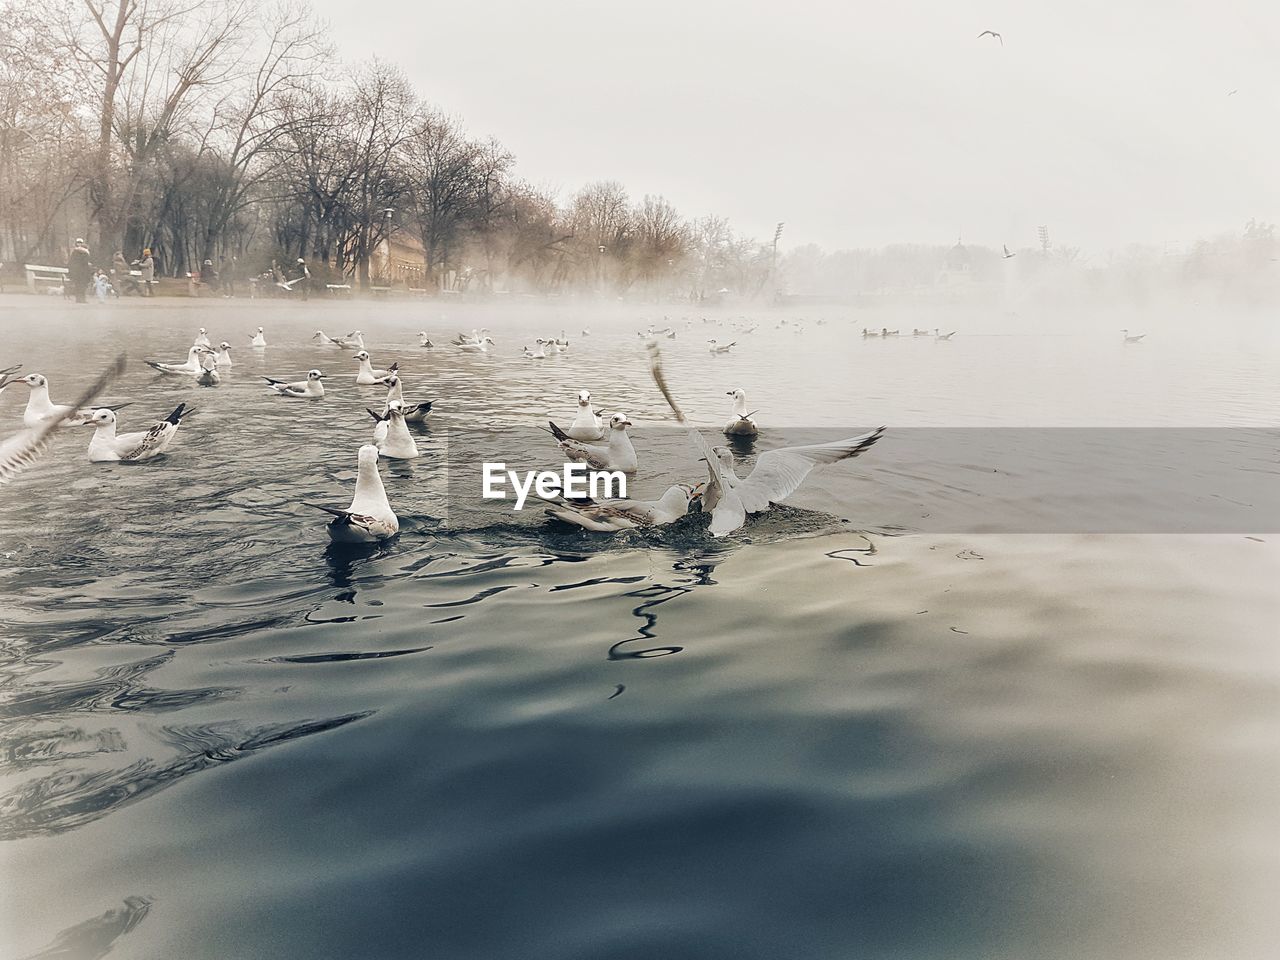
(866, 125)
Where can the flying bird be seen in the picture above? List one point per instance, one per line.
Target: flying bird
(991, 33)
(1007, 252)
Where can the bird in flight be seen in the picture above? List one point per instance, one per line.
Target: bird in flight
(1007, 252)
(993, 34)
(1233, 93)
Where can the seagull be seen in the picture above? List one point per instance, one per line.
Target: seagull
(424, 340)
(868, 334)
(777, 474)
(326, 340)
(917, 332)
(587, 424)
(539, 354)
(257, 339)
(208, 375)
(1137, 338)
(191, 367)
(413, 412)
(107, 446)
(370, 517)
(939, 335)
(992, 33)
(1008, 254)
(310, 388)
(353, 340)
(20, 450)
(391, 436)
(41, 409)
(202, 338)
(481, 345)
(717, 347)
(223, 357)
(617, 454)
(609, 516)
(368, 376)
(741, 424)
(586, 332)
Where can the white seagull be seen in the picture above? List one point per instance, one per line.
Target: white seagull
(368, 376)
(480, 346)
(191, 367)
(202, 338)
(607, 516)
(370, 517)
(424, 340)
(717, 347)
(40, 409)
(325, 340)
(539, 354)
(1134, 339)
(413, 412)
(257, 339)
(353, 340)
(391, 436)
(310, 388)
(616, 454)
(223, 357)
(208, 375)
(107, 446)
(587, 424)
(22, 449)
(741, 424)
(939, 335)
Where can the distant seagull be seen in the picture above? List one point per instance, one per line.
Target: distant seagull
(539, 354)
(257, 339)
(991, 33)
(370, 517)
(1137, 338)
(413, 412)
(368, 376)
(717, 347)
(939, 335)
(202, 338)
(424, 340)
(223, 356)
(740, 424)
(310, 388)
(391, 436)
(1007, 252)
(208, 375)
(326, 340)
(191, 367)
(587, 425)
(352, 341)
(40, 409)
(107, 446)
(1233, 93)
(22, 449)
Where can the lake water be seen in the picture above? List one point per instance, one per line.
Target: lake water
(850, 730)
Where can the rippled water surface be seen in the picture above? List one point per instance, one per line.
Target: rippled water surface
(829, 736)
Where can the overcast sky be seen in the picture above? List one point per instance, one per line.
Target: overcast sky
(870, 123)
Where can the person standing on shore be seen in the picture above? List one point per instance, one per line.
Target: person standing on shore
(148, 268)
(79, 269)
(303, 279)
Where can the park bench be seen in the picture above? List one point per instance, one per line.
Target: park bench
(338, 289)
(380, 291)
(47, 277)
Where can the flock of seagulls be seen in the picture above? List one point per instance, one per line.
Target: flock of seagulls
(599, 441)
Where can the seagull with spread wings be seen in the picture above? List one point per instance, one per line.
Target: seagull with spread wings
(991, 33)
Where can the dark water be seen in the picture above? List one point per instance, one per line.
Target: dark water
(826, 737)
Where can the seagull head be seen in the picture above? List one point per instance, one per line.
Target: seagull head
(34, 380)
(314, 375)
(101, 417)
(619, 421)
(584, 398)
(317, 335)
(224, 346)
(724, 455)
(392, 381)
(737, 394)
(362, 355)
(368, 456)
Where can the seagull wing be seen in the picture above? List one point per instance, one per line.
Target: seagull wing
(779, 473)
(138, 446)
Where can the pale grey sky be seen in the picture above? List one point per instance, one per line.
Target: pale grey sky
(870, 123)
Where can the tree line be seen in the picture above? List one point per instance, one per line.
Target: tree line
(224, 129)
